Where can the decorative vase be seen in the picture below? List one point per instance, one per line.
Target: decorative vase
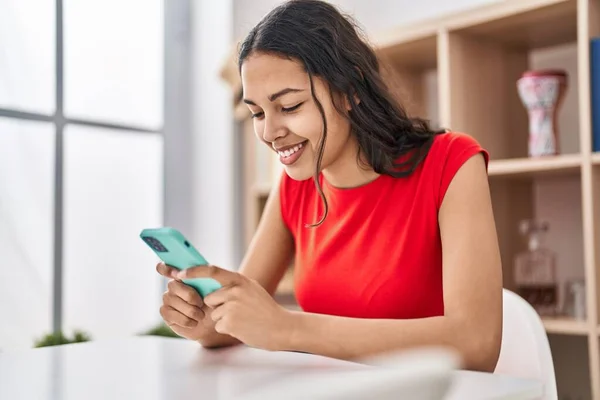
(535, 269)
(542, 93)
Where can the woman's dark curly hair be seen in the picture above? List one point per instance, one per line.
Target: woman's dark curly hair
(329, 46)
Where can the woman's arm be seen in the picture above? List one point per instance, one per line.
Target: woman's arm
(266, 260)
(472, 274)
(272, 247)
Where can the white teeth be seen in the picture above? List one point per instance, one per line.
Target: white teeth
(289, 152)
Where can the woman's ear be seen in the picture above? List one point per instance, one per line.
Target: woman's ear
(347, 103)
(356, 99)
(362, 80)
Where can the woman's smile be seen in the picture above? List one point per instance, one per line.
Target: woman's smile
(288, 155)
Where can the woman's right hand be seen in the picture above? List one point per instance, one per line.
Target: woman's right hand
(186, 314)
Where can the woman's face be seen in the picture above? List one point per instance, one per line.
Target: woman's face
(286, 118)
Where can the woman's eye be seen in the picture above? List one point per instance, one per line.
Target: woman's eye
(258, 114)
(290, 109)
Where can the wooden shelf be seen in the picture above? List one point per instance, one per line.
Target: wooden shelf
(596, 158)
(412, 49)
(532, 167)
(565, 326)
(519, 23)
(524, 24)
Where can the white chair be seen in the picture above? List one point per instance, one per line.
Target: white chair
(525, 350)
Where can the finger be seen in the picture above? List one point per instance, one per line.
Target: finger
(221, 296)
(166, 271)
(174, 317)
(223, 276)
(178, 304)
(186, 293)
(218, 313)
(223, 326)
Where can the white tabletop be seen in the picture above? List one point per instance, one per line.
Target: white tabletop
(153, 368)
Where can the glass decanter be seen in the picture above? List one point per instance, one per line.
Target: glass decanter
(535, 270)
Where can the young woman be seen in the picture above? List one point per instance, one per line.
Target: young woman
(390, 223)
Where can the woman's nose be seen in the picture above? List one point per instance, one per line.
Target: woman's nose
(272, 130)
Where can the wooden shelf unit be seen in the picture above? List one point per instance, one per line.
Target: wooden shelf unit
(567, 164)
(460, 72)
(567, 326)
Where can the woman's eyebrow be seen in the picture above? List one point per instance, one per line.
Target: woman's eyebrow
(276, 95)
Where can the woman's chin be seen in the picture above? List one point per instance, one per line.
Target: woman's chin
(298, 174)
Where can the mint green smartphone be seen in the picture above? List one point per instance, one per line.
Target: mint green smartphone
(176, 251)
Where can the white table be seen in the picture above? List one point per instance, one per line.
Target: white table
(153, 368)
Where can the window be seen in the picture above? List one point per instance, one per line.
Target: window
(26, 235)
(81, 166)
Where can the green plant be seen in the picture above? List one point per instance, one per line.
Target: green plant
(161, 330)
(59, 338)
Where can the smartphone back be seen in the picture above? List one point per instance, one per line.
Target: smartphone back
(176, 251)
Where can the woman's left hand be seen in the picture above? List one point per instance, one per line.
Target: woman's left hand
(242, 308)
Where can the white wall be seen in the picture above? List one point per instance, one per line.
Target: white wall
(214, 175)
(372, 15)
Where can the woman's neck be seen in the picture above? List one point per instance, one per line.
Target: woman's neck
(345, 172)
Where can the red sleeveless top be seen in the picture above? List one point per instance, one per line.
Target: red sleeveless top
(378, 254)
